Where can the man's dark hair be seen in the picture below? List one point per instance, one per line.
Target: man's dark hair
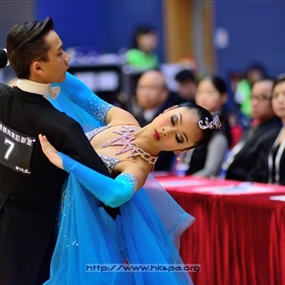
(25, 43)
(141, 30)
(185, 75)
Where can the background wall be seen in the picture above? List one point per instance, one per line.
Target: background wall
(255, 33)
(11, 13)
(248, 30)
(107, 25)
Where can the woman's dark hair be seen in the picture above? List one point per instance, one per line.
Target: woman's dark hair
(25, 43)
(280, 79)
(257, 66)
(218, 82)
(207, 122)
(139, 31)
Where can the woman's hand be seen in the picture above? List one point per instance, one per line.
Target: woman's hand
(50, 152)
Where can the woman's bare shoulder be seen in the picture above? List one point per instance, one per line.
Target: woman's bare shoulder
(120, 116)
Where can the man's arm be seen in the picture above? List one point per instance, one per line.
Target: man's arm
(70, 139)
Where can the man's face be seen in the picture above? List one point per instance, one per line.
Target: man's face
(261, 108)
(151, 90)
(187, 89)
(55, 68)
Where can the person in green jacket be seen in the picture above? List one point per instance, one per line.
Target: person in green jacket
(142, 55)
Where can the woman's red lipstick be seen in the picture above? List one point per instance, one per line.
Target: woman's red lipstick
(156, 135)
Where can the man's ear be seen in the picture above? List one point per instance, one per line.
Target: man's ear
(36, 67)
(168, 109)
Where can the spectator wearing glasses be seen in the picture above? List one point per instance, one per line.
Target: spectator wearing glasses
(243, 162)
(255, 72)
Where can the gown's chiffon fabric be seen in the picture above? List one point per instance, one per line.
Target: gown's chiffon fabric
(92, 248)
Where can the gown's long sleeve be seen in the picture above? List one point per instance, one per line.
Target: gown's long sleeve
(76, 91)
(112, 192)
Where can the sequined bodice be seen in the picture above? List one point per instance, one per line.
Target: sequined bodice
(109, 161)
(125, 139)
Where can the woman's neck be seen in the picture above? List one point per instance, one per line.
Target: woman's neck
(142, 140)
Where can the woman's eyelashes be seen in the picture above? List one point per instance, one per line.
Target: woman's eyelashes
(174, 120)
(178, 138)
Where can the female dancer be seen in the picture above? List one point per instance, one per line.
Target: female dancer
(139, 246)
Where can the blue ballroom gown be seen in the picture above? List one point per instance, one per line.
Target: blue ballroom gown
(140, 246)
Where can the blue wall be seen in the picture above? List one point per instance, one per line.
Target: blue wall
(256, 28)
(105, 24)
(256, 33)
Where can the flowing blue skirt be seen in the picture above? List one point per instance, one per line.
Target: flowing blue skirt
(141, 246)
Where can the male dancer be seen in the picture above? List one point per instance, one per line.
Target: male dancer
(30, 185)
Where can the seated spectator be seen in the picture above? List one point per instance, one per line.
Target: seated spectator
(206, 161)
(186, 87)
(242, 161)
(152, 99)
(274, 161)
(254, 73)
(142, 55)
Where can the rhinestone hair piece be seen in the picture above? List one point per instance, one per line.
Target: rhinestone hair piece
(216, 124)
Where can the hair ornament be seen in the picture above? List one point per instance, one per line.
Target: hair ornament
(215, 124)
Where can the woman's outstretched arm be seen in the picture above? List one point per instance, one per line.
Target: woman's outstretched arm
(112, 192)
(80, 94)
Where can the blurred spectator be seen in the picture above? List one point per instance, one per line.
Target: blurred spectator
(152, 99)
(257, 140)
(142, 54)
(254, 73)
(186, 87)
(206, 160)
(274, 161)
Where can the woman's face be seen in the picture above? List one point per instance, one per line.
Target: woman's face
(176, 129)
(209, 97)
(278, 100)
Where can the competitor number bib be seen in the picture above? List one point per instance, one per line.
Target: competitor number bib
(15, 149)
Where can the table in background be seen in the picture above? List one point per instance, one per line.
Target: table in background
(239, 233)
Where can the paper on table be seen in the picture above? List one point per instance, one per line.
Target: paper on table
(180, 183)
(242, 188)
(278, 198)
